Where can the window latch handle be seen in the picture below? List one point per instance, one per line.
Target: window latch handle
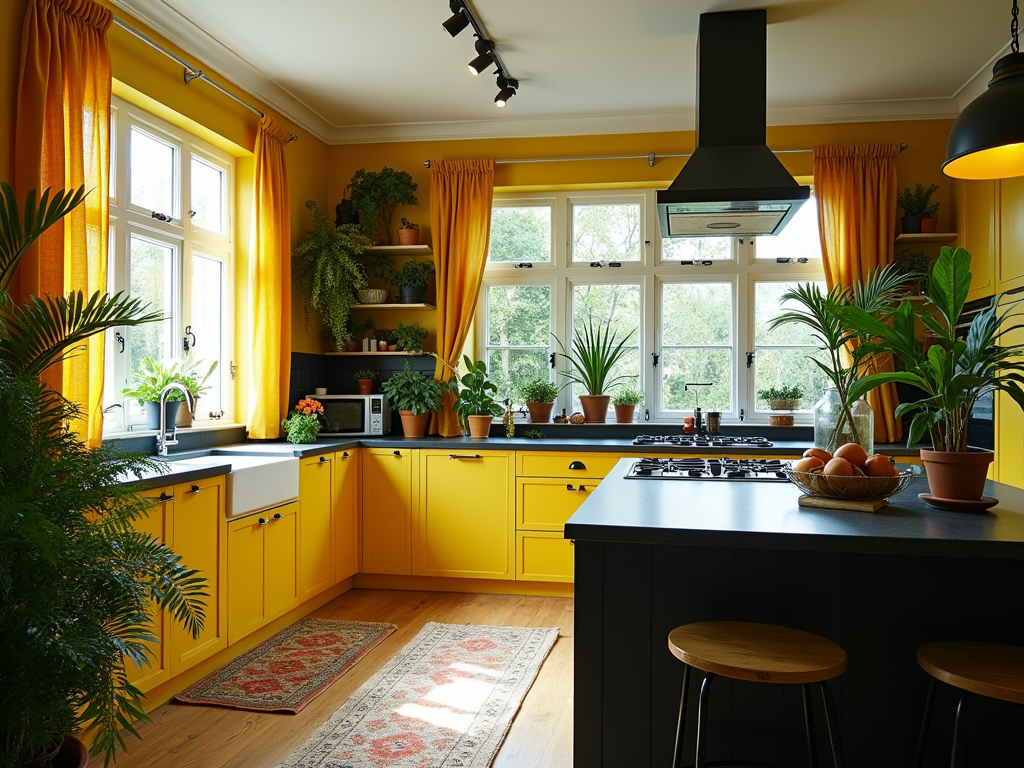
(750, 358)
(657, 358)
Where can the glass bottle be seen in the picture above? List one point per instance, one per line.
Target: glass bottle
(833, 427)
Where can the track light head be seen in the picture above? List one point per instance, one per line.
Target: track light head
(508, 88)
(484, 59)
(458, 22)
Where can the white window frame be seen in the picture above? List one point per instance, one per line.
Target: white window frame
(126, 218)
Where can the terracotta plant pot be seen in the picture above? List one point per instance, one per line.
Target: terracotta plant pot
(185, 416)
(595, 408)
(540, 413)
(624, 414)
(408, 237)
(72, 753)
(781, 419)
(414, 426)
(929, 225)
(479, 427)
(956, 475)
(365, 386)
(351, 345)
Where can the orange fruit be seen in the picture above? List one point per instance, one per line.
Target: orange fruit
(839, 467)
(853, 453)
(819, 453)
(808, 464)
(878, 465)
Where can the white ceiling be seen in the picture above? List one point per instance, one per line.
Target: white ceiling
(385, 70)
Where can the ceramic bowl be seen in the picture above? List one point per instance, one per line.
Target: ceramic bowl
(372, 296)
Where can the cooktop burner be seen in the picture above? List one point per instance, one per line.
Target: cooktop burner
(766, 470)
(703, 441)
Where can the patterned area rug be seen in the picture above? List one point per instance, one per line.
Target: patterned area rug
(290, 669)
(445, 700)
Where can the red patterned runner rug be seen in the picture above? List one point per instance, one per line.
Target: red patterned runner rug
(445, 700)
(287, 671)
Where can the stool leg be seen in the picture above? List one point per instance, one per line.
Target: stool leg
(925, 723)
(702, 720)
(958, 731)
(805, 693)
(832, 724)
(681, 725)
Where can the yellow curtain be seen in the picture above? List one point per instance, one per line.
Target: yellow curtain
(270, 283)
(460, 221)
(856, 190)
(62, 140)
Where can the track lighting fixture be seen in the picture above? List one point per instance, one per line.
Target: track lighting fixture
(459, 20)
(485, 49)
(506, 90)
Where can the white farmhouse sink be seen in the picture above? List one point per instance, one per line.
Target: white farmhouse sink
(256, 482)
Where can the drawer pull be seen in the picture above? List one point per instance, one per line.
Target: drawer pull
(161, 497)
(344, 454)
(464, 456)
(324, 460)
(263, 521)
(582, 488)
(577, 465)
(572, 542)
(278, 516)
(194, 489)
(397, 453)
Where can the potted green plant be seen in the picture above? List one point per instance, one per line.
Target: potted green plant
(79, 582)
(411, 280)
(918, 213)
(415, 396)
(327, 272)
(355, 329)
(474, 398)
(410, 337)
(594, 353)
(376, 194)
(625, 400)
(783, 398)
(147, 384)
(196, 381)
(913, 266)
(365, 379)
(303, 424)
(539, 395)
(408, 233)
(952, 372)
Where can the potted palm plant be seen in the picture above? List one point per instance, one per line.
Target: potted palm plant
(594, 354)
(78, 580)
(415, 396)
(952, 372)
(474, 398)
(539, 395)
(626, 399)
(364, 379)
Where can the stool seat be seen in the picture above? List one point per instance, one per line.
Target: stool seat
(760, 653)
(989, 669)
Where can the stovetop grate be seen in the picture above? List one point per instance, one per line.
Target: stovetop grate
(764, 470)
(703, 441)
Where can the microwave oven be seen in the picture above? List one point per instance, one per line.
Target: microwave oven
(349, 415)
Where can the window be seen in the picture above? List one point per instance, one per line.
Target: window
(170, 247)
(696, 310)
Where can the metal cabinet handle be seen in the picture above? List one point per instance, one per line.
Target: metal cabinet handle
(396, 453)
(568, 487)
(464, 456)
(161, 497)
(263, 521)
(577, 465)
(194, 489)
(344, 454)
(324, 460)
(278, 516)
(572, 542)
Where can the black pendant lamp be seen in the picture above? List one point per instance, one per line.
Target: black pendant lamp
(987, 139)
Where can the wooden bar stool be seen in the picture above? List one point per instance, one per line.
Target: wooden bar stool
(759, 653)
(987, 669)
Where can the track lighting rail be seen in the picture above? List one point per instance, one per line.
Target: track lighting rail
(487, 53)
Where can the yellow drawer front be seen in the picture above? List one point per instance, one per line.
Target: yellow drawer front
(545, 503)
(543, 557)
(558, 464)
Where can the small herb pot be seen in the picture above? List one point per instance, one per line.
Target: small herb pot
(408, 237)
(929, 225)
(911, 225)
(365, 386)
(540, 413)
(479, 426)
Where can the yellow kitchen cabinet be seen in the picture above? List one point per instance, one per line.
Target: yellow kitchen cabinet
(565, 464)
(1009, 458)
(347, 470)
(1011, 235)
(199, 537)
(977, 225)
(543, 556)
(157, 524)
(545, 503)
(316, 535)
(388, 478)
(262, 575)
(466, 514)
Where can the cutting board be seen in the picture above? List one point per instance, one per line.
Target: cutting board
(854, 505)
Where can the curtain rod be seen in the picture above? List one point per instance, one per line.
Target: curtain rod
(650, 157)
(191, 73)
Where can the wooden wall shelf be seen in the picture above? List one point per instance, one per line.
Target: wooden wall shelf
(375, 354)
(393, 306)
(402, 250)
(928, 237)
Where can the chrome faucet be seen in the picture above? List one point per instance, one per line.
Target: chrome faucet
(162, 440)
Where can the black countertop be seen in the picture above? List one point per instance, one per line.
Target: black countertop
(766, 515)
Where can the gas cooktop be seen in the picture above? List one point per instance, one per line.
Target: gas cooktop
(703, 441)
(766, 470)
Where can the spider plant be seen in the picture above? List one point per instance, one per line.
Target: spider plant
(594, 354)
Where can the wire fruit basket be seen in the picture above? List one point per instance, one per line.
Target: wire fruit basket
(858, 487)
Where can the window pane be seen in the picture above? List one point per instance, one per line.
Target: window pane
(152, 173)
(520, 233)
(618, 304)
(112, 167)
(519, 315)
(696, 313)
(696, 248)
(509, 369)
(768, 304)
(151, 275)
(606, 232)
(709, 365)
(799, 240)
(207, 317)
(207, 196)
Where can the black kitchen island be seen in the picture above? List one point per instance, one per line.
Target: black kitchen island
(653, 554)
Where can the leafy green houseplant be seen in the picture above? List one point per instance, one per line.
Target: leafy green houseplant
(411, 280)
(191, 372)
(951, 372)
(151, 378)
(592, 358)
(303, 424)
(539, 395)
(916, 207)
(327, 272)
(474, 398)
(913, 266)
(410, 337)
(415, 396)
(365, 379)
(784, 398)
(376, 194)
(626, 399)
(77, 581)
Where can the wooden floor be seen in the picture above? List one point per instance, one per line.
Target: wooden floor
(214, 737)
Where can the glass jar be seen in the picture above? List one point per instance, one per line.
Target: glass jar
(832, 423)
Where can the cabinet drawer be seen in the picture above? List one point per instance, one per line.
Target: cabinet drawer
(559, 464)
(545, 503)
(543, 557)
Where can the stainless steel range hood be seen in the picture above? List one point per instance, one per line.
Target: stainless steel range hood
(733, 184)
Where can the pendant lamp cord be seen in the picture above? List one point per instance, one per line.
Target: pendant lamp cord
(1014, 45)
